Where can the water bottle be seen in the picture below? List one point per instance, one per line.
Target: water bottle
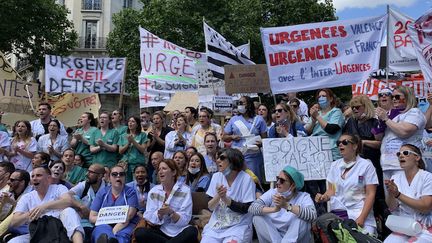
(403, 225)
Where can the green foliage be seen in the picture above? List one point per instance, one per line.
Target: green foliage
(180, 21)
(35, 28)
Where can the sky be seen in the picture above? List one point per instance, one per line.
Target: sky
(351, 9)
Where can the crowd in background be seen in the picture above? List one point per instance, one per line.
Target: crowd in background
(162, 165)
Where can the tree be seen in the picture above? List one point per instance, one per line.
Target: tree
(180, 21)
(35, 28)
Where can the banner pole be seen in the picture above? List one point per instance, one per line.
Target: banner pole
(122, 87)
(387, 48)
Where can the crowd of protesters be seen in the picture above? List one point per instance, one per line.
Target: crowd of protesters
(162, 165)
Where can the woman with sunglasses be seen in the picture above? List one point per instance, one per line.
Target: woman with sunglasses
(169, 209)
(294, 103)
(351, 184)
(116, 194)
(406, 127)
(361, 123)
(284, 214)
(245, 132)
(232, 191)
(287, 124)
(410, 194)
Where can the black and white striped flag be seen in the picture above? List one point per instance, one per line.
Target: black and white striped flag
(221, 52)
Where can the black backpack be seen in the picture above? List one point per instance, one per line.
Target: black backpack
(48, 229)
(347, 230)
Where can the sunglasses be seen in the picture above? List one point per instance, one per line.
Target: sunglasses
(279, 110)
(344, 142)
(222, 157)
(357, 107)
(280, 180)
(396, 97)
(118, 174)
(384, 94)
(406, 153)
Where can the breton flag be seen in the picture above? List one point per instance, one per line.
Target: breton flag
(221, 52)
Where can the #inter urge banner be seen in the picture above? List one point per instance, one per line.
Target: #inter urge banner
(322, 55)
(84, 75)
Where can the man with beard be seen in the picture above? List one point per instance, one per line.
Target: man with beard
(40, 126)
(46, 199)
(18, 185)
(84, 193)
(142, 186)
(155, 159)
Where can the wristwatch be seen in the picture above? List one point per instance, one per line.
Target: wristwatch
(289, 207)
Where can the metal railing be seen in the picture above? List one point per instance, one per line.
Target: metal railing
(91, 4)
(92, 43)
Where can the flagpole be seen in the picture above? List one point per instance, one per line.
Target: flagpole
(123, 84)
(387, 48)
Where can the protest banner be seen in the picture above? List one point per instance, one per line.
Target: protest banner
(166, 68)
(15, 94)
(246, 79)
(322, 55)
(112, 215)
(68, 108)
(402, 56)
(181, 100)
(310, 155)
(372, 86)
(421, 35)
(84, 75)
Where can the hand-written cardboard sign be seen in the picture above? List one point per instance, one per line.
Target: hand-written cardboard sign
(84, 75)
(246, 79)
(312, 156)
(322, 55)
(112, 215)
(14, 97)
(68, 108)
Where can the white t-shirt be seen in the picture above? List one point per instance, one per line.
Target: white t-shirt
(89, 197)
(224, 222)
(351, 191)
(31, 200)
(421, 185)
(4, 143)
(60, 145)
(19, 160)
(391, 143)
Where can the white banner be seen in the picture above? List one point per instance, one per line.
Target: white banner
(402, 56)
(421, 35)
(112, 215)
(84, 75)
(322, 55)
(311, 156)
(166, 68)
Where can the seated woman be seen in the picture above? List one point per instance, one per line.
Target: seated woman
(198, 178)
(57, 174)
(232, 191)
(410, 194)
(180, 158)
(169, 209)
(284, 214)
(352, 183)
(40, 158)
(142, 186)
(117, 194)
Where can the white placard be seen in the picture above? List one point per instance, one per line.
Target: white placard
(312, 156)
(112, 215)
(84, 75)
(322, 55)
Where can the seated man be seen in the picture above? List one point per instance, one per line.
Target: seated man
(84, 193)
(46, 199)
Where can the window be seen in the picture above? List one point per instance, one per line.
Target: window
(91, 4)
(127, 3)
(90, 34)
